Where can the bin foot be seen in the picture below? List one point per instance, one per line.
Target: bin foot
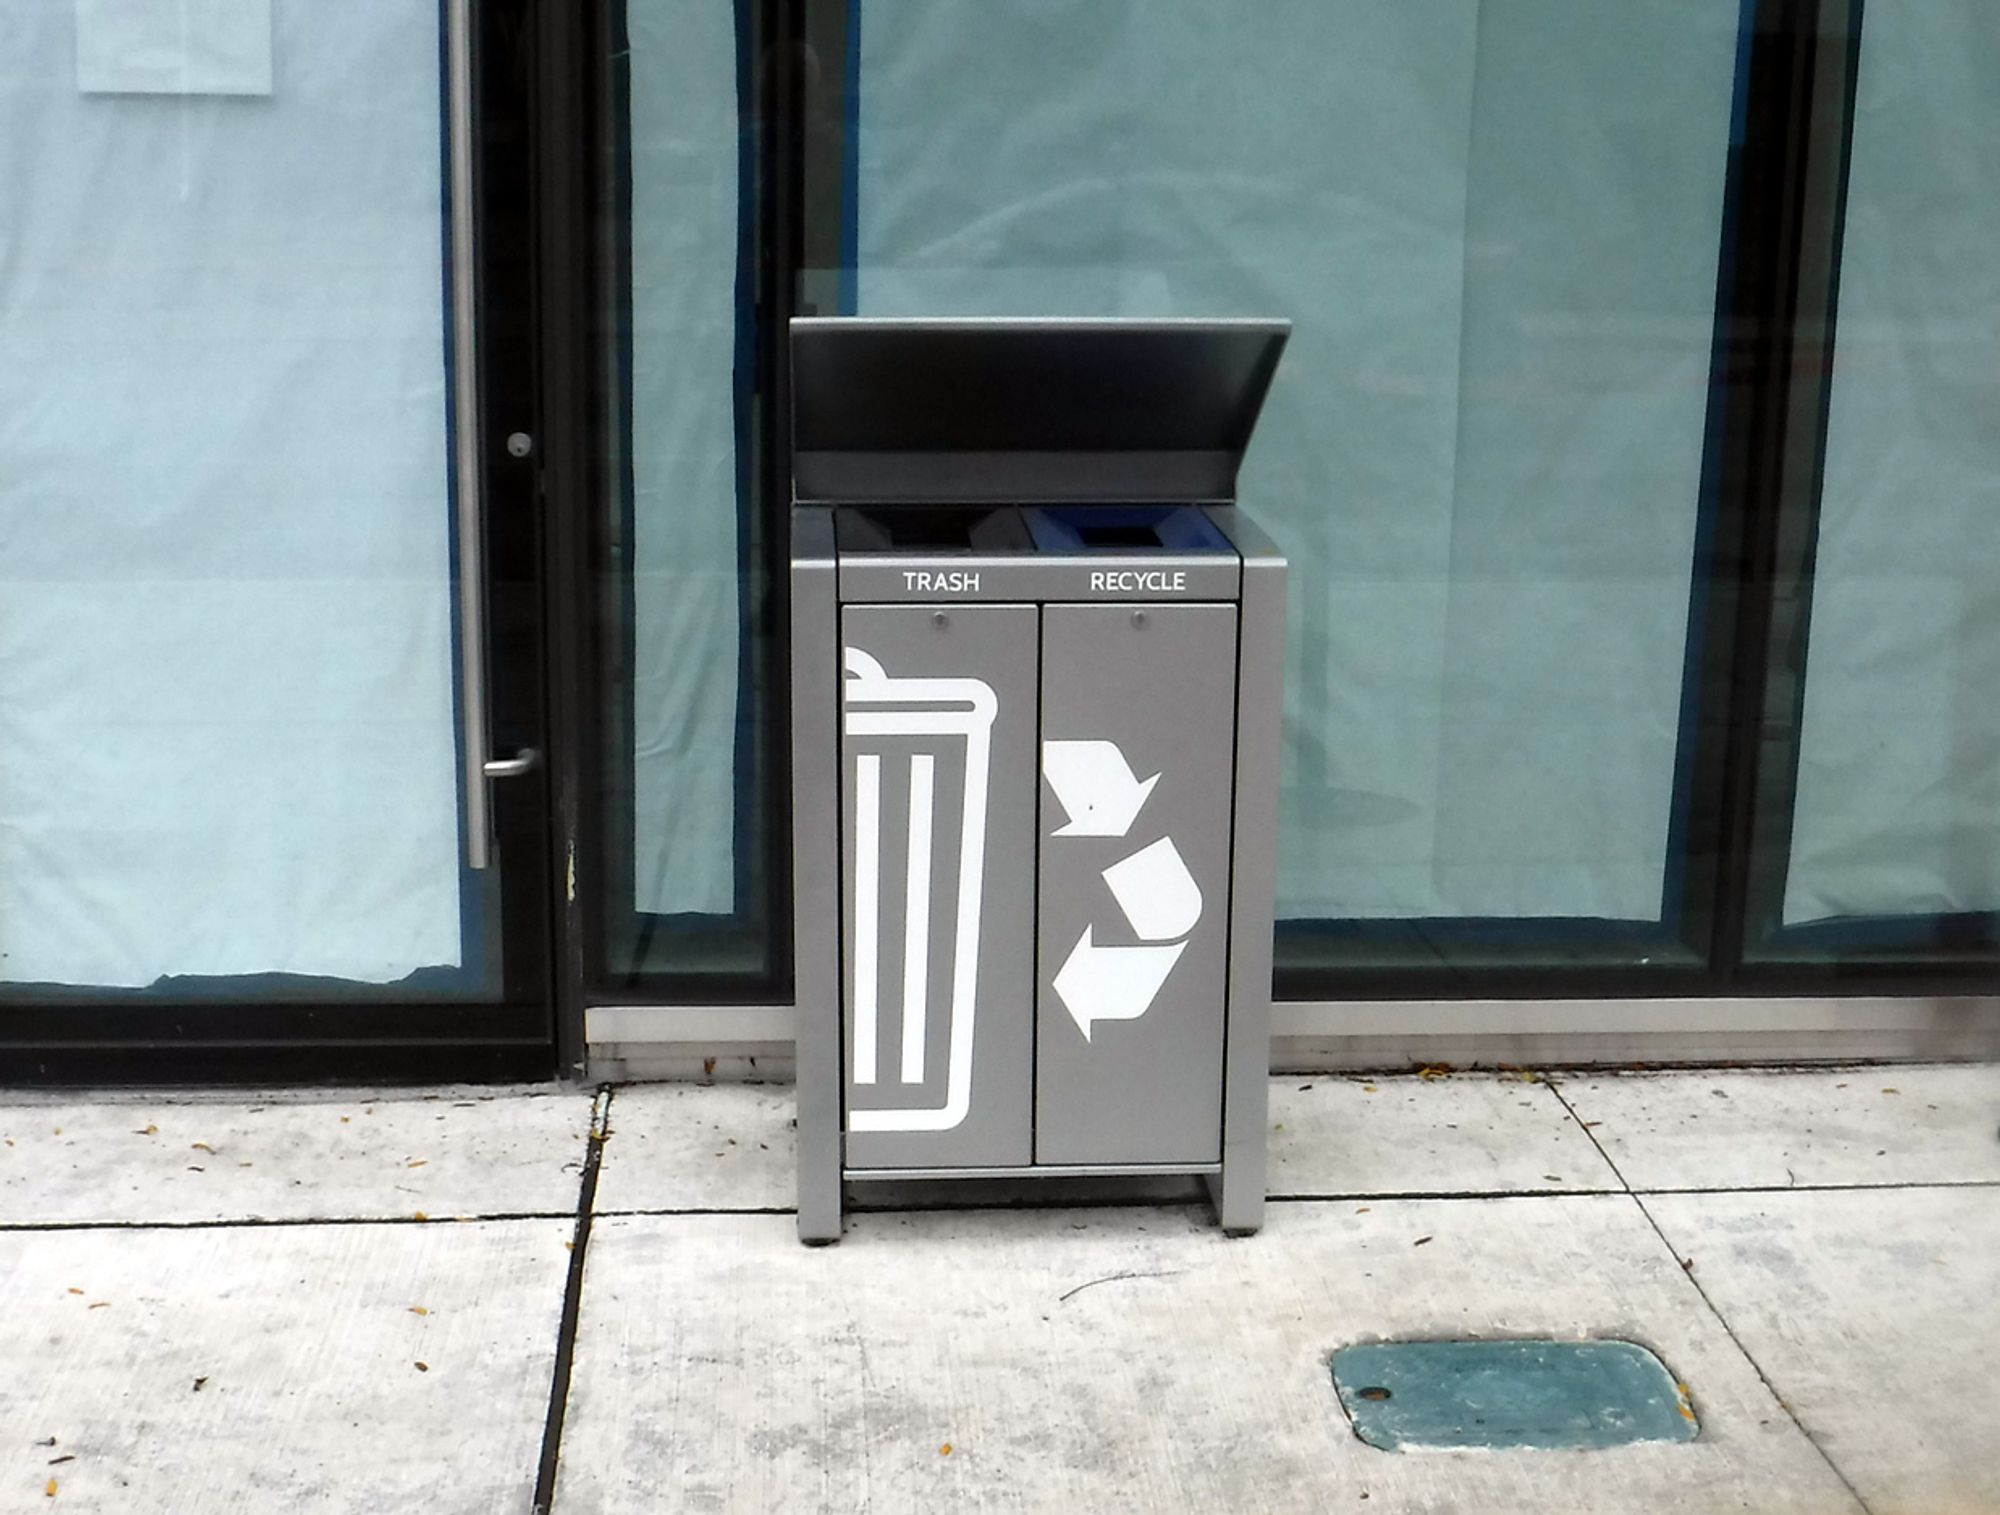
(817, 1232)
(822, 1214)
(1239, 1209)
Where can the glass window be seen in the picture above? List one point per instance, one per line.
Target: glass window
(1888, 724)
(1497, 228)
(1511, 450)
(689, 647)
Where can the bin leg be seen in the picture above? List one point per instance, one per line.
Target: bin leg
(816, 873)
(819, 1207)
(818, 1134)
(1238, 1191)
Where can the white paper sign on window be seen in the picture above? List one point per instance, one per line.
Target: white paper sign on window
(173, 47)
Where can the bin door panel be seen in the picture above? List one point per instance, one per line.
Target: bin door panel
(1138, 746)
(938, 716)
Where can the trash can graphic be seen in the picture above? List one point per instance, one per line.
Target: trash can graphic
(936, 792)
(939, 709)
(1036, 677)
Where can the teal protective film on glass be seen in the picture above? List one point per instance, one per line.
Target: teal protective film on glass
(1496, 229)
(685, 546)
(1897, 808)
(227, 712)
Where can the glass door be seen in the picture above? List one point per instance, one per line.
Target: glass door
(271, 791)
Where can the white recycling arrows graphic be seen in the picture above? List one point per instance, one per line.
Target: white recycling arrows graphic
(1157, 893)
(1112, 983)
(1102, 797)
(1095, 786)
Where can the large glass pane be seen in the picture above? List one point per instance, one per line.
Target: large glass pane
(228, 732)
(688, 637)
(1496, 225)
(1894, 831)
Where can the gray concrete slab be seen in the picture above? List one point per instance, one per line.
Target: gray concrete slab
(1778, 1128)
(698, 1147)
(1466, 1133)
(300, 1154)
(1872, 1313)
(1127, 1360)
(276, 1367)
(679, 1147)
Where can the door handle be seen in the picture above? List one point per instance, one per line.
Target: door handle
(469, 495)
(527, 760)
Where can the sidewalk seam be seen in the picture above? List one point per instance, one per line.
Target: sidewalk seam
(1329, 1197)
(572, 1305)
(1639, 1199)
(261, 1222)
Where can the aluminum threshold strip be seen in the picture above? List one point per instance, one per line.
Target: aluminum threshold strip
(630, 1025)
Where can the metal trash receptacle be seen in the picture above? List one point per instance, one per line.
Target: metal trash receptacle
(1036, 689)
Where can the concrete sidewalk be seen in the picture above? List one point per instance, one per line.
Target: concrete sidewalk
(352, 1301)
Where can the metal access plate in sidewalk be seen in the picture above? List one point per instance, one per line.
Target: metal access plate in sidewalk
(1551, 1395)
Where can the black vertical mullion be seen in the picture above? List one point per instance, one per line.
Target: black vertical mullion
(607, 877)
(504, 102)
(1761, 364)
(781, 248)
(1797, 527)
(565, 142)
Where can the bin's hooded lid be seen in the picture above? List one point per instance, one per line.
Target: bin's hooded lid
(995, 411)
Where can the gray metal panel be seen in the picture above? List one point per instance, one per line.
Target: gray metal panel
(1009, 477)
(1239, 1192)
(938, 842)
(1134, 883)
(1001, 409)
(815, 875)
(1045, 577)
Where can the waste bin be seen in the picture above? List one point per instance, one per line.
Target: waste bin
(1036, 678)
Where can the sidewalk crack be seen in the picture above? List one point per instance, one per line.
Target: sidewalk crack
(1639, 1199)
(572, 1305)
(277, 1222)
